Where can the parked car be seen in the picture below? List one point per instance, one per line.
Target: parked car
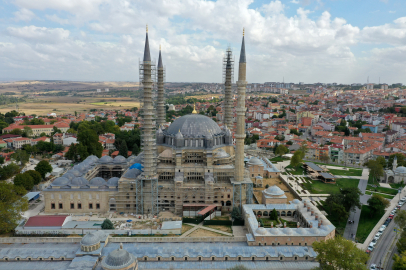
(371, 248)
(382, 228)
(391, 216)
(386, 223)
(389, 219)
(372, 267)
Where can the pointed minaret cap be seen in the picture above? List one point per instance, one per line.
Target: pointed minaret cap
(242, 54)
(160, 58)
(147, 55)
(194, 109)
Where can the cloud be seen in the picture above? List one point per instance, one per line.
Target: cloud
(394, 34)
(39, 34)
(24, 15)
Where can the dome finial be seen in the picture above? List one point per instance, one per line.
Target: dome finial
(147, 28)
(243, 31)
(121, 244)
(194, 108)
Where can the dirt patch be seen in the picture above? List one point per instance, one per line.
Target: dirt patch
(226, 229)
(222, 218)
(186, 227)
(272, 182)
(204, 233)
(74, 235)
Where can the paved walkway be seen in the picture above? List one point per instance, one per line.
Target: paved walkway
(385, 185)
(200, 226)
(351, 229)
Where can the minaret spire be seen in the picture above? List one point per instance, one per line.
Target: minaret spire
(147, 55)
(228, 99)
(161, 119)
(240, 132)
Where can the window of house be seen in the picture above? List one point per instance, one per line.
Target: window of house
(90, 205)
(60, 206)
(79, 206)
(228, 196)
(52, 206)
(72, 206)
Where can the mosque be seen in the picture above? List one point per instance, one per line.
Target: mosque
(192, 163)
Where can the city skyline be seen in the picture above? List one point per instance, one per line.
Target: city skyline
(298, 41)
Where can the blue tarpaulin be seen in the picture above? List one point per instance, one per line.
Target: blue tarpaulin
(137, 166)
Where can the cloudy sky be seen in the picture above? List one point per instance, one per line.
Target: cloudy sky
(340, 41)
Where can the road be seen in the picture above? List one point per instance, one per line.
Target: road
(384, 246)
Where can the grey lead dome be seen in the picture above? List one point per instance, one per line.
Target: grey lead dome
(117, 259)
(194, 125)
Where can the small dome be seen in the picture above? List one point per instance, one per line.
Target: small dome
(139, 158)
(288, 231)
(131, 159)
(255, 161)
(301, 231)
(76, 173)
(400, 169)
(97, 181)
(113, 181)
(79, 181)
(261, 231)
(117, 259)
(91, 159)
(132, 173)
(274, 191)
(105, 159)
(69, 175)
(90, 239)
(179, 135)
(275, 231)
(296, 201)
(120, 159)
(60, 181)
(314, 230)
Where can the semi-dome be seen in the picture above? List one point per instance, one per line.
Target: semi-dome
(255, 161)
(90, 239)
(120, 159)
(113, 181)
(76, 173)
(60, 181)
(194, 125)
(97, 181)
(400, 169)
(105, 159)
(274, 191)
(79, 181)
(296, 201)
(118, 259)
(261, 231)
(132, 173)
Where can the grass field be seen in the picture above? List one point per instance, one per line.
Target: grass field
(278, 159)
(366, 223)
(397, 185)
(350, 172)
(383, 190)
(318, 187)
(296, 171)
(390, 197)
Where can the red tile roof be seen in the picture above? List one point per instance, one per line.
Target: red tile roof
(45, 221)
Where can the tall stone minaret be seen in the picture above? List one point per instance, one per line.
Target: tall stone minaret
(148, 134)
(161, 92)
(228, 100)
(240, 133)
(395, 163)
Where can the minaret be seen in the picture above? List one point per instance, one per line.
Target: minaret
(395, 163)
(148, 138)
(228, 100)
(161, 119)
(240, 133)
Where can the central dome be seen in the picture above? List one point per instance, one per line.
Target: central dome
(194, 125)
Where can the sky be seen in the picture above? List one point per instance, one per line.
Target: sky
(342, 41)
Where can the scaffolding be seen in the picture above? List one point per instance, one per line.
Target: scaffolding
(228, 78)
(237, 195)
(249, 193)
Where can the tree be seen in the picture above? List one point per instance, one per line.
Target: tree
(21, 156)
(236, 214)
(36, 176)
(303, 149)
(123, 149)
(324, 158)
(2, 160)
(136, 150)
(89, 138)
(377, 204)
(16, 131)
(280, 137)
(24, 180)
(281, 150)
(238, 267)
(401, 244)
(399, 261)
(296, 159)
(3, 125)
(27, 131)
(107, 224)
(273, 215)
(400, 160)
(375, 169)
(350, 198)
(43, 167)
(339, 253)
(400, 219)
(72, 153)
(12, 204)
(382, 161)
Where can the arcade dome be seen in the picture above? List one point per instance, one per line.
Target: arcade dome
(400, 169)
(274, 191)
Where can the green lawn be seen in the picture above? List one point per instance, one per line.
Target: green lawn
(328, 164)
(318, 187)
(390, 197)
(383, 190)
(366, 223)
(296, 171)
(278, 159)
(398, 185)
(350, 172)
